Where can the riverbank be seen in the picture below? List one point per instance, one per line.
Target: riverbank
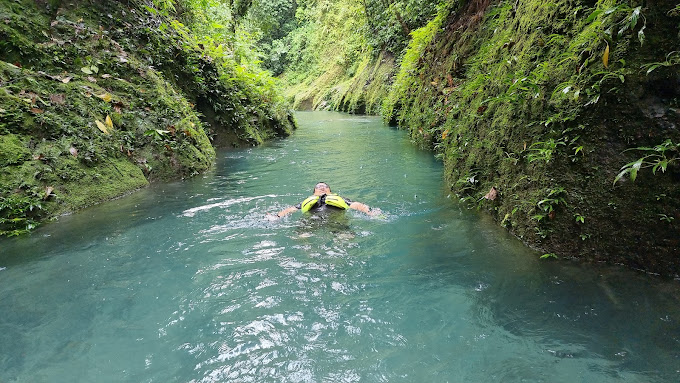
(99, 98)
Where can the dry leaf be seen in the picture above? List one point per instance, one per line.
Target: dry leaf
(605, 57)
(91, 79)
(73, 151)
(108, 122)
(106, 75)
(37, 111)
(65, 80)
(105, 96)
(102, 127)
(48, 192)
(58, 98)
(492, 194)
(55, 22)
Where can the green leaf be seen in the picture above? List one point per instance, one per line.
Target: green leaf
(151, 10)
(593, 16)
(621, 174)
(634, 16)
(86, 70)
(662, 164)
(634, 169)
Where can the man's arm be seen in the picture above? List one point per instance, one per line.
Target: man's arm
(287, 211)
(363, 208)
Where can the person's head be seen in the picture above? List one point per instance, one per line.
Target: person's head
(321, 188)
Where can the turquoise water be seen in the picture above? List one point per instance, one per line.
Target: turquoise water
(189, 282)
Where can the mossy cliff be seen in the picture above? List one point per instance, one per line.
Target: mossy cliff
(98, 98)
(536, 106)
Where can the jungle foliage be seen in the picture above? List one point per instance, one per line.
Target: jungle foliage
(559, 107)
(98, 98)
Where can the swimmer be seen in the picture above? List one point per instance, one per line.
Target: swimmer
(322, 199)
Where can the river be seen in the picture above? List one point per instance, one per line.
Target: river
(190, 282)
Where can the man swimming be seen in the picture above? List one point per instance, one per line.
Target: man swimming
(323, 198)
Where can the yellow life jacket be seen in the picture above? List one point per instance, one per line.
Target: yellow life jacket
(329, 199)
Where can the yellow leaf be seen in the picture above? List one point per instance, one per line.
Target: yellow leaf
(102, 127)
(605, 57)
(108, 122)
(105, 96)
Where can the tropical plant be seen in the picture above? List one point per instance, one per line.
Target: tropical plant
(658, 157)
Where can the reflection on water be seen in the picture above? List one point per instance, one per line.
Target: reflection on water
(190, 282)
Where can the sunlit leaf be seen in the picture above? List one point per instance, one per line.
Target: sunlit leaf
(86, 70)
(151, 10)
(102, 127)
(634, 169)
(641, 35)
(108, 122)
(105, 96)
(605, 57)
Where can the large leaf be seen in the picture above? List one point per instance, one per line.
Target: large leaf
(105, 96)
(102, 127)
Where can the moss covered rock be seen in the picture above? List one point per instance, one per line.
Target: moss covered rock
(545, 102)
(97, 98)
(558, 118)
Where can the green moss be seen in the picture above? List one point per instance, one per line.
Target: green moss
(84, 117)
(109, 180)
(12, 150)
(522, 101)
